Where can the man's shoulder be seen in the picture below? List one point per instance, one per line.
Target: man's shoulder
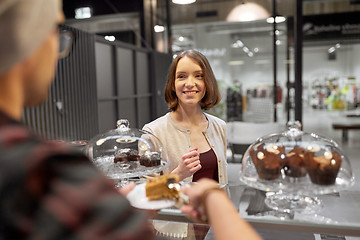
(14, 133)
(17, 140)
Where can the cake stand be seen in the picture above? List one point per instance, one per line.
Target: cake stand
(287, 193)
(117, 153)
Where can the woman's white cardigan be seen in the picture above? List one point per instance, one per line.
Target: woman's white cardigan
(176, 141)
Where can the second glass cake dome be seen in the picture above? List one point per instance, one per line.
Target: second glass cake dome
(296, 162)
(124, 152)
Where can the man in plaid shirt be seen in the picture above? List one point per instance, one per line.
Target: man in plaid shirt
(48, 190)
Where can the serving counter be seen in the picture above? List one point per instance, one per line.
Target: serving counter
(339, 215)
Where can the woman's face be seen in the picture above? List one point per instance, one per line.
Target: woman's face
(189, 82)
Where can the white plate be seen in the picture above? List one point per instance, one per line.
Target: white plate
(138, 199)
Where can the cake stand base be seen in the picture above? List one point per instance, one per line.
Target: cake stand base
(122, 182)
(293, 203)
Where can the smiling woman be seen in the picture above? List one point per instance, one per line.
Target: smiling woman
(195, 141)
(188, 60)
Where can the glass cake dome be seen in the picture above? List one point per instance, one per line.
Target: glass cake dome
(124, 152)
(295, 166)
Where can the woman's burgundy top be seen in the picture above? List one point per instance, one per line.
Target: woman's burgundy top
(209, 166)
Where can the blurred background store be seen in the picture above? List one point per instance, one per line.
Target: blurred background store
(302, 66)
(242, 43)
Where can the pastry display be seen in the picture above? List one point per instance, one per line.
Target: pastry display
(131, 158)
(322, 167)
(127, 158)
(150, 159)
(157, 188)
(294, 165)
(268, 161)
(124, 152)
(126, 155)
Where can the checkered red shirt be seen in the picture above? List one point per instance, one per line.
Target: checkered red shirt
(51, 191)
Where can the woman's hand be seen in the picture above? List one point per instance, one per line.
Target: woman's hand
(189, 165)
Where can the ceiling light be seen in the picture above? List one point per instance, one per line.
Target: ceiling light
(247, 12)
(82, 13)
(240, 43)
(256, 49)
(331, 50)
(159, 28)
(110, 38)
(278, 19)
(181, 38)
(183, 2)
(337, 45)
(237, 44)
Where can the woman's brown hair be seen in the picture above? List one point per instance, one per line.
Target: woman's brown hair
(212, 95)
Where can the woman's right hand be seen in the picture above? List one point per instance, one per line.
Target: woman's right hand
(190, 163)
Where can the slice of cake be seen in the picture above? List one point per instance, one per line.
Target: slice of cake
(157, 188)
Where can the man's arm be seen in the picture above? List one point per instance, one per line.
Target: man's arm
(225, 220)
(208, 200)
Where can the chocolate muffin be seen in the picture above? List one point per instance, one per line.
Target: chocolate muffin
(268, 162)
(322, 169)
(294, 165)
(150, 159)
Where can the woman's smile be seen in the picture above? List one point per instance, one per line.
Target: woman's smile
(193, 92)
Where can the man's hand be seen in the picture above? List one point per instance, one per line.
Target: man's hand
(195, 193)
(126, 189)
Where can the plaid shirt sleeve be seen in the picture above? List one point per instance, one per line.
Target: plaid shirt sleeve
(51, 191)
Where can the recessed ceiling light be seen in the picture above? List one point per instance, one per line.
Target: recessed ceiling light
(183, 2)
